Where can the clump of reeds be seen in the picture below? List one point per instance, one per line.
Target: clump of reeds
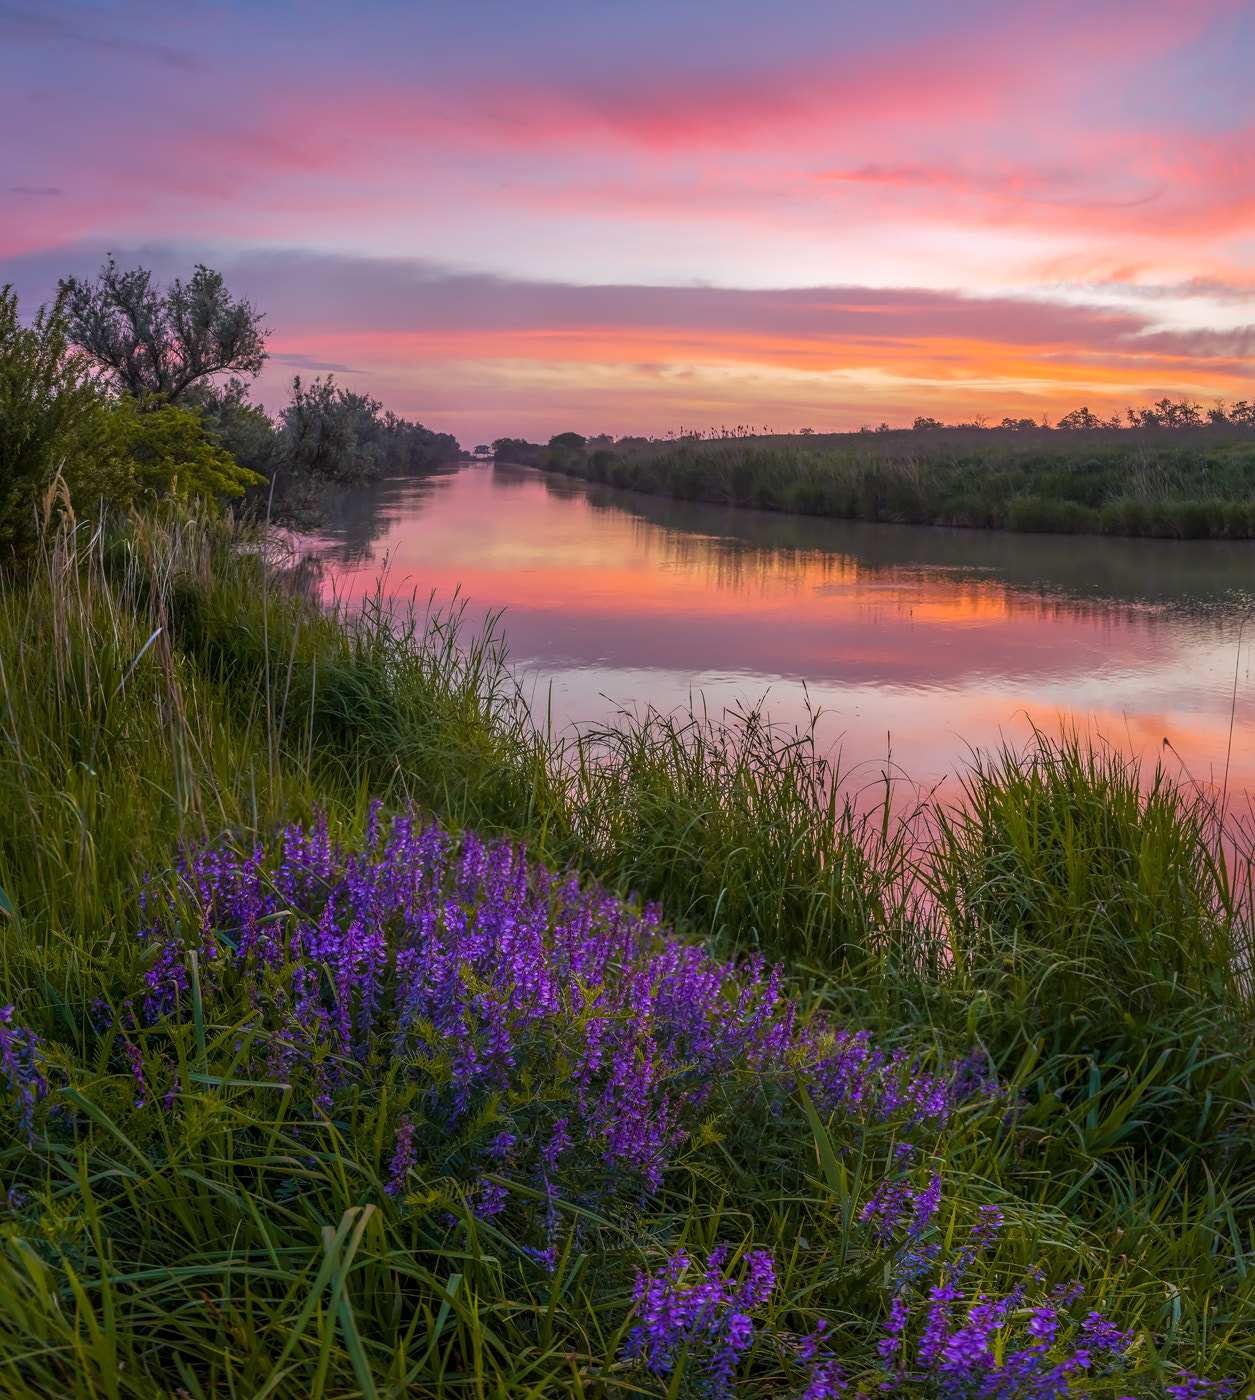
(1072, 885)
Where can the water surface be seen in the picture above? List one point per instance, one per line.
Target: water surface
(917, 644)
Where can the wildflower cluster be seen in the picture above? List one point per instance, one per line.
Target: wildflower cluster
(706, 1316)
(966, 1345)
(1188, 1386)
(1009, 1347)
(1024, 1346)
(568, 1033)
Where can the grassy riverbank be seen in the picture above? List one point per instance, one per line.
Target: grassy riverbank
(1196, 483)
(273, 1153)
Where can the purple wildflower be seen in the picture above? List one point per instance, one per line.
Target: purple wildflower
(988, 1223)
(559, 1141)
(19, 1063)
(1188, 1386)
(404, 1159)
(502, 1145)
(489, 1199)
(1043, 1324)
(824, 1383)
(895, 1325)
(135, 1057)
(976, 1348)
(706, 1315)
(924, 1213)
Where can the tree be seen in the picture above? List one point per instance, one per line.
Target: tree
(519, 451)
(157, 345)
(409, 447)
(326, 437)
(242, 428)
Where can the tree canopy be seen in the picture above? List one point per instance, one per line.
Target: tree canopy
(158, 344)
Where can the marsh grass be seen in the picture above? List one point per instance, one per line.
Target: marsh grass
(166, 681)
(1069, 879)
(1186, 484)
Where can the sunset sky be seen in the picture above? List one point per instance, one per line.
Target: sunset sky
(636, 217)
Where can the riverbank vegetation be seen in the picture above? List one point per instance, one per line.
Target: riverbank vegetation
(113, 386)
(360, 1038)
(366, 1040)
(1170, 479)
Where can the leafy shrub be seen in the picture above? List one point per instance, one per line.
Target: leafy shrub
(170, 451)
(53, 420)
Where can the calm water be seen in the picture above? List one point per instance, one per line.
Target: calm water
(916, 643)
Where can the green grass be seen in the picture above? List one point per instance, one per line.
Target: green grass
(1171, 483)
(165, 681)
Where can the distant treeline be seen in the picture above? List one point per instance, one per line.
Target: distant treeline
(1167, 413)
(326, 436)
(1196, 481)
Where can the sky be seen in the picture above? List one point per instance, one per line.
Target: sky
(663, 215)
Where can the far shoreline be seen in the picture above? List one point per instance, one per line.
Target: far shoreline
(1186, 484)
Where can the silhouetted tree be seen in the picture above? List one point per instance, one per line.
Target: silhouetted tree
(157, 345)
(519, 450)
(322, 440)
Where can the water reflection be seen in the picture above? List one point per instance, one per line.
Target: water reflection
(1177, 573)
(359, 518)
(921, 641)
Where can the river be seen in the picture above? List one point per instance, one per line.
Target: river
(917, 645)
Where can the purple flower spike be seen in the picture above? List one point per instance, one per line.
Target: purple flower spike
(986, 1230)
(135, 1057)
(403, 1160)
(19, 1063)
(1188, 1386)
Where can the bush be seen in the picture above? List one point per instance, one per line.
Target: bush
(52, 422)
(170, 451)
(1079, 895)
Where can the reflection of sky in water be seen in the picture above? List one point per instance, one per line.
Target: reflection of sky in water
(928, 641)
